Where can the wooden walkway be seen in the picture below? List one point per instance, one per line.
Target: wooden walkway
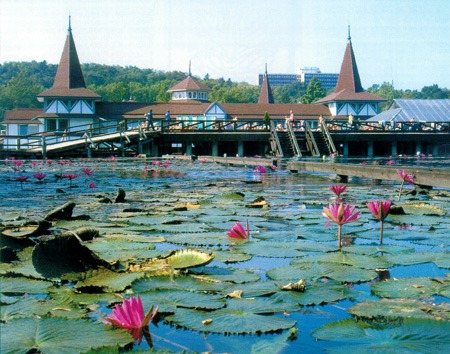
(435, 177)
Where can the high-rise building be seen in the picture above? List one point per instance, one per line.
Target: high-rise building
(327, 80)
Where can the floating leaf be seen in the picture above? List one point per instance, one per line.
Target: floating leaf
(21, 285)
(397, 308)
(412, 288)
(411, 335)
(58, 335)
(224, 274)
(168, 300)
(239, 318)
(360, 261)
(188, 258)
(317, 293)
(107, 280)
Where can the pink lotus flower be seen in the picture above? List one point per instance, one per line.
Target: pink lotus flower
(130, 315)
(273, 167)
(338, 189)
(33, 163)
(61, 162)
(260, 169)
(18, 163)
(70, 177)
(39, 176)
(380, 210)
(405, 177)
(21, 179)
(203, 160)
(156, 163)
(49, 162)
(390, 162)
(92, 185)
(237, 231)
(340, 214)
(166, 164)
(87, 172)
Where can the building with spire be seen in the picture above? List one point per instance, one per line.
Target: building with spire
(265, 93)
(68, 102)
(349, 96)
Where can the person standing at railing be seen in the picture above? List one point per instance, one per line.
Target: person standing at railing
(167, 119)
(150, 120)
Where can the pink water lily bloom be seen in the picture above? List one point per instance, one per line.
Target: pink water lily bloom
(338, 189)
(340, 214)
(406, 177)
(92, 185)
(260, 169)
(130, 315)
(237, 231)
(39, 176)
(380, 210)
(87, 171)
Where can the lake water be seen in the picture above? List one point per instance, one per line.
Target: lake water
(222, 195)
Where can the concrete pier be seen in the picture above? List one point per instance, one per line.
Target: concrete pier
(434, 177)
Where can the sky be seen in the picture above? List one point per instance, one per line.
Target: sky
(404, 42)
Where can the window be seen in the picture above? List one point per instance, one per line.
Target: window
(23, 129)
(51, 124)
(63, 124)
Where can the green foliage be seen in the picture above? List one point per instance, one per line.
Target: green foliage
(20, 82)
(314, 92)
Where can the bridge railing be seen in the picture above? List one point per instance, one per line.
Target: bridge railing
(387, 126)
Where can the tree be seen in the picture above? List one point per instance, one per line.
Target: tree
(266, 119)
(314, 91)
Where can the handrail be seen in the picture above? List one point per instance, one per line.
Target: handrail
(311, 141)
(328, 139)
(276, 141)
(293, 140)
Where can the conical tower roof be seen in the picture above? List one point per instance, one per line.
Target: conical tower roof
(348, 87)
(69, 80)
(265, 93)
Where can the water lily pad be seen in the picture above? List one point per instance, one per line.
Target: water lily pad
(204, 239)
(188, 258)
(313, 271)
(422, 209)
(121, 249)
(29, 306)
(219, 274)
(421, 257)
(360, 261)
(411, 335)
(58, 335)
(270, 249)
(175, 282)
(249, 290)
(412, 288)
(234, 319)
(231, 256)
(107, 280)
(21, 285)
(397, 308)
(168, 300)
(317, 293)
(377, 249)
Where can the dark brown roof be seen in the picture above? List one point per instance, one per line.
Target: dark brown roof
(22, 116)
(189, 83)
(276, 110)
(69, 80)
(265, 94)
(132, 110)
(348, 87)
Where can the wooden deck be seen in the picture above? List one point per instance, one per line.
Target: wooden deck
(435, 177)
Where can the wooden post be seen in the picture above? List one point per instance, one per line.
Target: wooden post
(44, 147)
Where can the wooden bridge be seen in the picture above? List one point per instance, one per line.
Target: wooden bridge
(244, 137)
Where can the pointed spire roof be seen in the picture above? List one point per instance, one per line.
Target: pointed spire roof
(69, 80)
(349, 87)
(189, 83)
(265, 93)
